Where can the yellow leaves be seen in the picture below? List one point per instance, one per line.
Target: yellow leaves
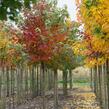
(3, 40)
(85, 99)
(95, 14)
(97, 44)
(100, 45)
(106, 12)
(93, 10)
(77, 47)
(90, 62)
(105, 2)
(101, 60)
(105, 27)
(93, 61)
(97, 49)
(3, 43)
(68, 22)
(3, 37)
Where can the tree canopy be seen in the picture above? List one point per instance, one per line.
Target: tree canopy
(11, 8)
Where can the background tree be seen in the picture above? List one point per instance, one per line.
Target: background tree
(11, 8)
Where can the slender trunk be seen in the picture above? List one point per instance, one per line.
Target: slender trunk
(3, 104)
(70, 77)
(0, 82)
(105, 85)
(95, 77)
(33, 82)
(103, 88)
(96, 80)
(107, 66)
(65, 83)
(8, 82)
(91, 75)
(100, 80)
(47, 79)
(43, 85)
(26, 82)
(41, 80)
(37, 80)
(13, 84)
(55, 90)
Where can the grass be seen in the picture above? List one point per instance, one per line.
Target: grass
(81, 82)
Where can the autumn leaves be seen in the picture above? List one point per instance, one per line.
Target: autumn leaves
(94, 16)
(43, 36)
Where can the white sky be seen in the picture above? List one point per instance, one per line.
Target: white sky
(71, 7)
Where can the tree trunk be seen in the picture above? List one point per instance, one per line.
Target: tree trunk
(41, 82)
(100, 85)
(26, 82)
(37, 80)
(65, 82)
(8, 82)
(108, 80)
(33, 82)
(95, 79)
(43, 86)
(70, 77)
(91, 74)
(105, 84)
(55, 90)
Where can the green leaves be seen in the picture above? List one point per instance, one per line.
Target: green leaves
(11, 8)
(57, 16)
(3, 13)
(98, 31)
(88, 3)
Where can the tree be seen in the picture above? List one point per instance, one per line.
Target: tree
(11, 8)
(43, 31)
(95, 43)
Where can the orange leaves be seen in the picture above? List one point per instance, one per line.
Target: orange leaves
(59, 37)
(55, 28)
(15, 39)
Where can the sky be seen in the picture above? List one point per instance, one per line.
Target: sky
(71, 7)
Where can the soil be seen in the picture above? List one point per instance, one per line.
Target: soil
(77, 98)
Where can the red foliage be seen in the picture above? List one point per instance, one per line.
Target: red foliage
(40, 40)
(34, 30)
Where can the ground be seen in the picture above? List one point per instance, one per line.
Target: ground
(78, 98)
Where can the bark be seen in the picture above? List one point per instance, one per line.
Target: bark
(65, 82)
(26, 82)
(70, 77)
(37, 80)
(43, 86)
(7, 76)
(105, 84)
(33, 82)
(91, 78)
(55, 90)
(107, 66)
(100, 80)
(41, 82)
(95, 75)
